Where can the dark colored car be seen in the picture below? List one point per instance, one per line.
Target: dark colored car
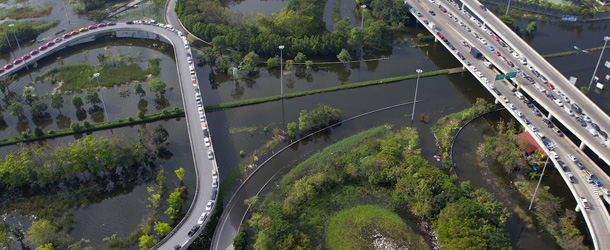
(548, 123)
(432, 13)
(563, 165)
(594, 125)
(576, 108)
(580, 165)
(129, 22)
(582, 122)
(604, 134)
(193, 230)
(176, 247)
(111, 23)
(559, 133)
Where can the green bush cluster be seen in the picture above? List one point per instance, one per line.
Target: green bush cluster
(380, 167)
(316, 118)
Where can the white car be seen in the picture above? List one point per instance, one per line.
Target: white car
(519, 113)
(558, 102)
(214, 183)
(483, 41)
(190, 61)
(201, 118)
(202, 218)
(586, 118)
(572, 157)
(209, 206)
(210, 155)
(554, 155)
(200, 109)
(512, 106)
(519, 95)
(569, 111)
(533, 128)
(206, 141)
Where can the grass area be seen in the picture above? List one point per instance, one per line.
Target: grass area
(330, 89)
(79, 76)
(445, 127)
(353, 228)
(25, 12)
(94, 127)
(242, 129)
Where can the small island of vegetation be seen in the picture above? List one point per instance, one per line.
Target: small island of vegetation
(377, 174)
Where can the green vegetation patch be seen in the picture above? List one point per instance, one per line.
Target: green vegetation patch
(242, 129)
(24, 30)
(354, 228)
(79, 76)
(445, 127)
(25, 12)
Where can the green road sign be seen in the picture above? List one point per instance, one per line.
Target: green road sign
(500, 76)
(511, 75)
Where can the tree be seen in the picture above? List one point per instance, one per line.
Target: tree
(92, 97)
(77, 102)
(138, 90)
(293, 129)
(509, 21)
(5, 82)
(160, 135)
(180, 173)
(39, 107)
(57, 101)
(273, 62)
(16, 109)
(249, 63)
(101, 59)
(5, 238)
(531, 27)
(309, 64)
(162, 228)
(42, 232)
(147, 242)
(344, 57)
(241, 239)
(300, 58)
(156, 85)
(220, 44)
(48, 246)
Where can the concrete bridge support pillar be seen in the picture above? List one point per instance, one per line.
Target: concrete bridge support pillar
(550, 116)
(582, 145)
(577, 209)
(496, 101)
(462, 4)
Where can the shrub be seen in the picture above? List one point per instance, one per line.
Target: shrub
(242, 153)
(75, 126)
(86, 124)
(141, 114)
(37, 132)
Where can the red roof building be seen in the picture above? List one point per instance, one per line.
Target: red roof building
(532, 144)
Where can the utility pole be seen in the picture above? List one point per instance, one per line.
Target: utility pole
(606, 38)
(419, 71)
(97, 77)
(539, 180)
(281, 47)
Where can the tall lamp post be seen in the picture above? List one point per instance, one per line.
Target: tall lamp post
(19, 46)
(606, 39)
(9, 42)
(97, 77)
(539, 180)
(281, 47)
(419, 71)
(362, 7)
(507, 7)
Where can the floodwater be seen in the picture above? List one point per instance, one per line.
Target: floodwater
(440, 95)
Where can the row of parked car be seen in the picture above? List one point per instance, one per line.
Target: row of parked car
(51, 43)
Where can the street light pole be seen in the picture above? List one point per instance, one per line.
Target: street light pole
(9, 42)
(507, 7)
(19, 46)
(97, 77)
(281, 47)
(362, 7)
(606, 38)
(539, 180)
(419, 71)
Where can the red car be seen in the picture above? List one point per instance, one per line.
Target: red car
(17, 61)
(8, 66)
(92, 27)
(74, 32)
(550, 85)
(43, 47)
(495, 38)
(443, 10)
(2, 70)
(49, 44)
(26, 56)
(101, 25)
(496, 53)
(34, 52)
(57, 40)
(66, 36)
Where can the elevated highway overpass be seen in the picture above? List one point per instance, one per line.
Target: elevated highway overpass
(204, 166)
(450, 29)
